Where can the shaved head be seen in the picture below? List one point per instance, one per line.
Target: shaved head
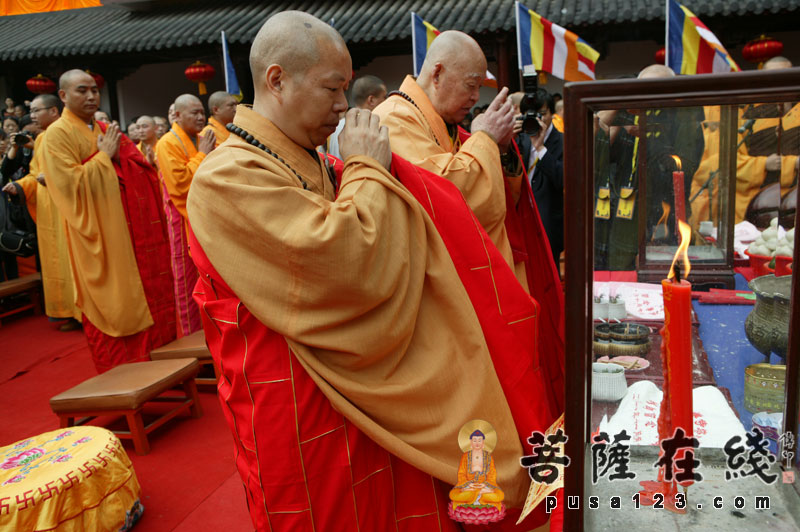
(78, 90)
(184, 101)
(293, 40)
(222, 106)
(301, 69)
(656, 71)
(457, 49)
(777, 62)
(452, 74)
(45, 100)
(146, 120)
(147, 129)
(72, 77)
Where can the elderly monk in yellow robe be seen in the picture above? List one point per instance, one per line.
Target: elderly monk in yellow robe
(59, 288)
(108, 196)
(148, 136)
(178, 154)
(348, 343)
(422, 118)
(222, 107)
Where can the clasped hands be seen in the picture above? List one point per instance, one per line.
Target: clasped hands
(363, 134)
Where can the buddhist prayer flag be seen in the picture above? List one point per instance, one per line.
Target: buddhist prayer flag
(551, 48)
(231, 83)
(691, 47)
(422, 35)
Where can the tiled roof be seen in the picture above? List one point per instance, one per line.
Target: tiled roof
(167, 25)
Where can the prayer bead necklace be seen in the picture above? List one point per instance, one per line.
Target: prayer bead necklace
(250, 139)
(452, 131)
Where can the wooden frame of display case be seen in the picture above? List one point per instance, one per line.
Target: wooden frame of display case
(582, 100)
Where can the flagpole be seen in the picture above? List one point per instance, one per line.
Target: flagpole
(666, 36)
(413, 45)
(519, 46)
(224, 58)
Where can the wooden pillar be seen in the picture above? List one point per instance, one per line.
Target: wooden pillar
(501, 53)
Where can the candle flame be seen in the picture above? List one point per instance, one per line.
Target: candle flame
(677, 162)
(683, 250)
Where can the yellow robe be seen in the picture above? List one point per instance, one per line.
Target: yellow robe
(59, 287)
(372, 262)
(462, 494)
(419, 135)
(750, 170)
(177, 158)
(84, 188)
(219, 130)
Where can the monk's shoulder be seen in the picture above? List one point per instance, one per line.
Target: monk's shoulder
(396, 108)
(235, 162)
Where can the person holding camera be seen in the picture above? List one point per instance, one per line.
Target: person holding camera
(542, 148)
(19, 152)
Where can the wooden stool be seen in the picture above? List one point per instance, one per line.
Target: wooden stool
(193, 345)
(29, 283)
(123, 391)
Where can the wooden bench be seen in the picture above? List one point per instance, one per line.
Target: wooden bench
(190, 346)
(31, 284)
(124, 391)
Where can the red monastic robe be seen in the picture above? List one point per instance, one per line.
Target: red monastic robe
(307, 467)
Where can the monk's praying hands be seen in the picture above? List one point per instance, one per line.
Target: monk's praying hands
(206, 143)
(363, 135)
(109, 143)
(498, 120)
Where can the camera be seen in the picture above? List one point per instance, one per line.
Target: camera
(21, 139)
(530, 114)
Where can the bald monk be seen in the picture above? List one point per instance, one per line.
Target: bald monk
(178, 154)
(108, 195)
(148, 138)
(352, 346)
(222, 107)
(422, 118)
(59, 288)
(162, 126)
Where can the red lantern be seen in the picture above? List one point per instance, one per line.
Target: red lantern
(41, 85)
(100, 80)
(199, 73)
(762, 49)
(661, 55)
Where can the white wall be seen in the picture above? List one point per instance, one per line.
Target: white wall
(152, 88)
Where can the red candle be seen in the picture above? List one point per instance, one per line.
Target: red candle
(676, 357)
(676, 348)
(677, 354)
(679, 194)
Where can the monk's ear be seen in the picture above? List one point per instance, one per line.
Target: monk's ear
(436, 75)
(62, 95)
(275, 79)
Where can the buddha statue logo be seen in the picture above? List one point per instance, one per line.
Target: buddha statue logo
(477, 499)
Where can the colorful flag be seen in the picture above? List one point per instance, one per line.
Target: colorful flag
(551, 48)
(231, 83)
(691, 47)
(422, 35)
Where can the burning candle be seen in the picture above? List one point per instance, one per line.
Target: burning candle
(676, 349)
(676, 356)
(678, 189)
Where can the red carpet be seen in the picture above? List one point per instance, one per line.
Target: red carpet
(188, 480)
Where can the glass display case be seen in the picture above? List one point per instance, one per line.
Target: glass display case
(683, 389)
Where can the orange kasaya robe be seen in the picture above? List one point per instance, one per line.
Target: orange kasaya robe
(177, 159)
(750, 169)
(117, 243)
(59, 287)
(220, 131)
(503, 204)
(356, 332)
